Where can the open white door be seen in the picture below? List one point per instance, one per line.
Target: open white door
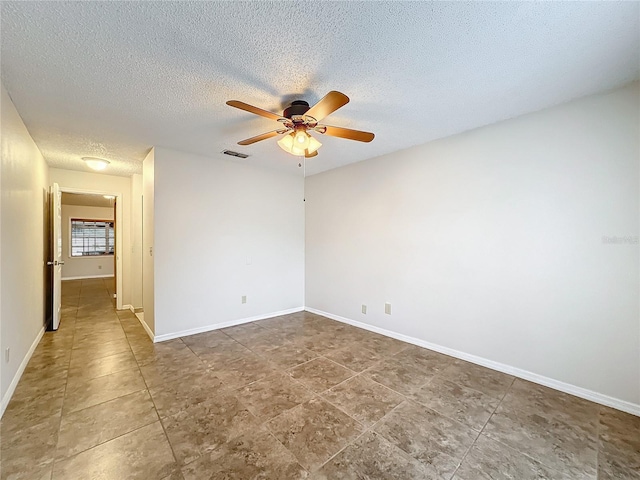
(56, 252)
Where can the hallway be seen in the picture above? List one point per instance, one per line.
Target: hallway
(286, 398)
(82, 388)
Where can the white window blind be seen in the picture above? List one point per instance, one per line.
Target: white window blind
(91, 237)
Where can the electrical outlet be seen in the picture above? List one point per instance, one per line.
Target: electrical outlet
(387, 308)
(244, 299)
(364, 309)
(7, 352)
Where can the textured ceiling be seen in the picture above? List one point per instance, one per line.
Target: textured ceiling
(112, 79)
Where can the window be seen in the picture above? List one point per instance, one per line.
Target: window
(91, 237)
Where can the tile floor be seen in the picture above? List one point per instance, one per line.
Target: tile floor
(298, 396)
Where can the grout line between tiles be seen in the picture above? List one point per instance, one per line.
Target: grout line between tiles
(365, 431)
(107, 441)
(536, 460)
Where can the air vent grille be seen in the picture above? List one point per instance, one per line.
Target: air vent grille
(235, 154)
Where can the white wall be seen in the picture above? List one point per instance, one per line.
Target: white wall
(23, 202)
(224, 230)
(84, 267)
(99, 182)
(490, 243)
(136, 240)
(148, 297)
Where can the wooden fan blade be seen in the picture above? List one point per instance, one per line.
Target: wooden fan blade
(257, 138)
(346, 133)
(309, 155)
(251, 109)
(331, 102)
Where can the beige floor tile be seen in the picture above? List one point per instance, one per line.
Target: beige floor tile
(273, 395)
(478, 378)
(147, 352)
(98, 367)
(355, 357)
(320, 342)
(265, 341)
(142, 454)
(167, 370)
(245, 370)
(552, 404)
(490, 460)
(192, 388)
(620, 429)
(206, 426)
(290, 355)
(244, 331)
(97, 350)
(566, 447)
(619, 445)
(382, 345)
(616, 463)
(203, 341)
(314, 432)
(251, 456)
(221, 355)
(465, 405)
(100, 423)
(86, 393)
(403, 378)
(363, 399)
(320, 374)
(425, 360)
(28, 452)
(437, 441)
(372, 457)
(34, 408)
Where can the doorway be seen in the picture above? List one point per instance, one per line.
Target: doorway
(91, 237)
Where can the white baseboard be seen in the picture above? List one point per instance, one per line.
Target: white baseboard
(217, 326)
(127, 307)
(14, 383)
(596, 397)
(146, 328)
(86, 277)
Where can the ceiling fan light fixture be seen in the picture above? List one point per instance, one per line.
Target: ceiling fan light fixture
(302, 139)
(286, 143)
(298, 152)
(290, 145)
(313, 145)
(96, 163)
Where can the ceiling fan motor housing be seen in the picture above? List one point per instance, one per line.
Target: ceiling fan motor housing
(298, 107)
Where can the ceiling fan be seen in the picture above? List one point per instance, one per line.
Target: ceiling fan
(299, 119)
